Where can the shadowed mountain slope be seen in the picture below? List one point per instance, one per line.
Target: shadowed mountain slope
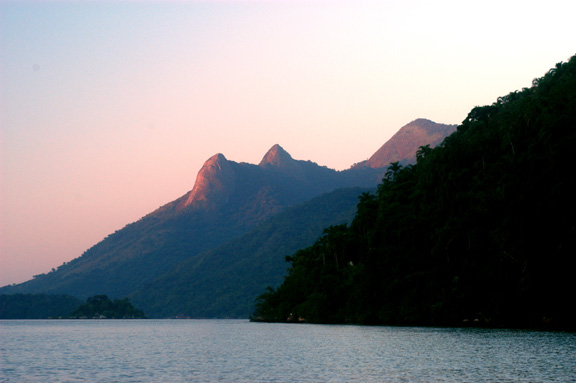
(224, 282)
(228, 199)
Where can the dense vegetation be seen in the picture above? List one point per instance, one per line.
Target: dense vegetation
(101, 307)
(223, 282)
(36, 306)
(481, 228)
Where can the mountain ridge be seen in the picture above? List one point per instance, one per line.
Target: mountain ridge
(227, 200)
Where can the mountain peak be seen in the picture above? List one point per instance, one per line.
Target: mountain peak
(276, 156)
(214, 183)
(403, 145)
(215, 160)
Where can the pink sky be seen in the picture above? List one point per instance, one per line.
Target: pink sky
(109, 109)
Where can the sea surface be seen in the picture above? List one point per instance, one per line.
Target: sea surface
(240, 351)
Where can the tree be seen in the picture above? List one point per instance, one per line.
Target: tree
(392, 171)
(101, 307)
(481, 227)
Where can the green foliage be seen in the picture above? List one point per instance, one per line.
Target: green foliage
(223, 282)
(480, 228)
(36, 306)
(101, 307)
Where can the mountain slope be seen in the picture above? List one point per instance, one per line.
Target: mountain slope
(227, 200)
(224, 282)
(404, 144)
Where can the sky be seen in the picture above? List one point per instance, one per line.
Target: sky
(108, 109)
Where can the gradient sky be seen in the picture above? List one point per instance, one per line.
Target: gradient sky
(109, 109)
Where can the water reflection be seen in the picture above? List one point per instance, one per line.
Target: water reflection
(239, 351)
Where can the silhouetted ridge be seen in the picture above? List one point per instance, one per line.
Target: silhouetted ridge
(478, 231)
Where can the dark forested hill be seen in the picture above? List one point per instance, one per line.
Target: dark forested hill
(482, 229)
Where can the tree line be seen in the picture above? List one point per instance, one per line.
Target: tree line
(57, 306)
(101, 307)
(482, 229)
(36, 306)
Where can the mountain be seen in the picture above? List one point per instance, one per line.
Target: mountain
(227, 200)
(480, 231)
(404, 144)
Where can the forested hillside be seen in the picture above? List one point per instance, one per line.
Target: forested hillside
(481, 228)
(36, 306)
(223, 282)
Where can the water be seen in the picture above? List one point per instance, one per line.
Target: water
(240, 351)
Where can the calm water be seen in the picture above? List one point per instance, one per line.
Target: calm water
(239, 351)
